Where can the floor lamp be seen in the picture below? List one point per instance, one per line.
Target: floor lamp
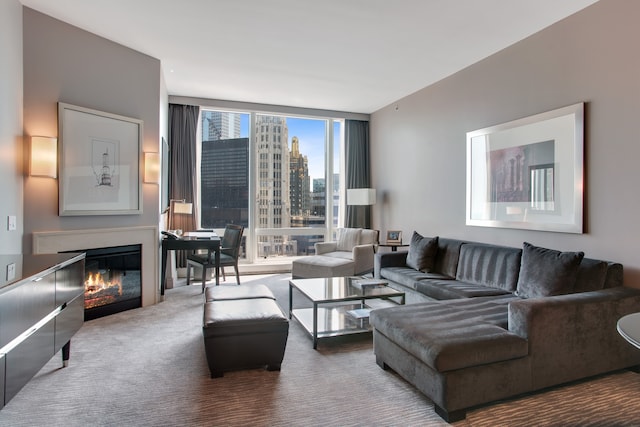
(361, 197)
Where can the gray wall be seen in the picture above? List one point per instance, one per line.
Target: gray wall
(419, 142)
(11, 125)
(64, 63)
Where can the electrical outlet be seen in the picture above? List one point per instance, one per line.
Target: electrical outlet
(11, 222)
(11, 271)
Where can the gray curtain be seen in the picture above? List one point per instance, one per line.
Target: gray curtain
(358, 169)
(183, 124)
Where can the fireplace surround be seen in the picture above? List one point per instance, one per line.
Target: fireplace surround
(146, 236)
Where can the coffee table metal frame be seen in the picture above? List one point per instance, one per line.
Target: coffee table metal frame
(331, 299)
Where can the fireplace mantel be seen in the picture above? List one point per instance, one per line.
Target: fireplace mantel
(46, 242)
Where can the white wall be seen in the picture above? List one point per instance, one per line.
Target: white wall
(418, 142)
(11, 146)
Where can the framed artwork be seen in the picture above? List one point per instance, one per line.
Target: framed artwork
(528, 173)
(394, 236)
(100, 162)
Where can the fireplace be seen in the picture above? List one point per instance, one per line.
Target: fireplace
(112, 280)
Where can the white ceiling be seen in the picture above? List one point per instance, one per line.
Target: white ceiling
(343, 55)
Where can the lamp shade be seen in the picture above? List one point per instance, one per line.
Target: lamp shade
(361, 196)
(44, 156)
(182, 208)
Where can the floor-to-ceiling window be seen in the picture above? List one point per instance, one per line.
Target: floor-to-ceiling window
(278, 176)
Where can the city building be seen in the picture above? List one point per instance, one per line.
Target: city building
(299, 180)
(224, 182)
(272, 182)
(218, 125)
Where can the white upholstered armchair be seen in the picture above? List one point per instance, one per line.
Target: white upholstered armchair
(350, 255)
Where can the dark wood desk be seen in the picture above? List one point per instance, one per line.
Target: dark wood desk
(189, 244)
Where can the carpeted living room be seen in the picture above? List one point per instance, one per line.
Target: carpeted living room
(470, 164)
(147, 367)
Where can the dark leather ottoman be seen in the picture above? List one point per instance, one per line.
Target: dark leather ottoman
(223, 293)
(244, 333)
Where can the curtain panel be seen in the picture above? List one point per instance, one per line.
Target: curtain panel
(358, 169)
(183, 126)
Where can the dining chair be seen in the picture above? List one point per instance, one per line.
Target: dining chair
(229, 254)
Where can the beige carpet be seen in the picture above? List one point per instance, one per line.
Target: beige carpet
(146, 367)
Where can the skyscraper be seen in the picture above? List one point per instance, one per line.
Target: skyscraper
(299, 180)
(218, 125)
(224, 182)
(272, 186)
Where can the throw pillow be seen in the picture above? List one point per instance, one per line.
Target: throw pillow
(422, 252)
(348, 238)
(547, 272)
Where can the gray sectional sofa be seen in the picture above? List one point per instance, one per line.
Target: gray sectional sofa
(486, 322)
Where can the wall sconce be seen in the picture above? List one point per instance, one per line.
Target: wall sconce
(361, 196)
(44, 157)
(152, 168)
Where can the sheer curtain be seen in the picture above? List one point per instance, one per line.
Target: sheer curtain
(358, 169)
(183, 125)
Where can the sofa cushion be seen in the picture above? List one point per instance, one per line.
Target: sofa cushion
(422, 252)
(547, 272)
(340, 254)
(408, 276)
(454, 289)
(489, 265)
(348, 238)
(449, 335)
(447, 256)
(321, 266)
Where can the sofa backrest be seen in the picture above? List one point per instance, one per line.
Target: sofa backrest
(447, 256)
(489, 265)
(595, 274)
(369, 237)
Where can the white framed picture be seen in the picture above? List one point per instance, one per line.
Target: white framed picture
(100, 154)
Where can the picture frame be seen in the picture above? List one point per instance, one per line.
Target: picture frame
(100, 162)
(394, 237)
(528, 173)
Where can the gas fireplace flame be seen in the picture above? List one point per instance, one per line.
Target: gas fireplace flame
(96, 283)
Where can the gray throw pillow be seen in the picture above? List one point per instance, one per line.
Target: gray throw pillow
(422, 252)
(546, 272)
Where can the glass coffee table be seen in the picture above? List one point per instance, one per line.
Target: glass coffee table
(340, 305)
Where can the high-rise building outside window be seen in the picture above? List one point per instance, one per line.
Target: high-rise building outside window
(284, 209)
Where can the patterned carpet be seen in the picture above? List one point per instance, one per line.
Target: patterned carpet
(146, 367)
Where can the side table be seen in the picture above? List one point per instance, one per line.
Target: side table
(394, 246)
(629, 327)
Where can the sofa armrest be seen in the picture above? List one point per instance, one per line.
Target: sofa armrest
(362, 256)
(325, 247)
(574, 336)
(388, 259)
